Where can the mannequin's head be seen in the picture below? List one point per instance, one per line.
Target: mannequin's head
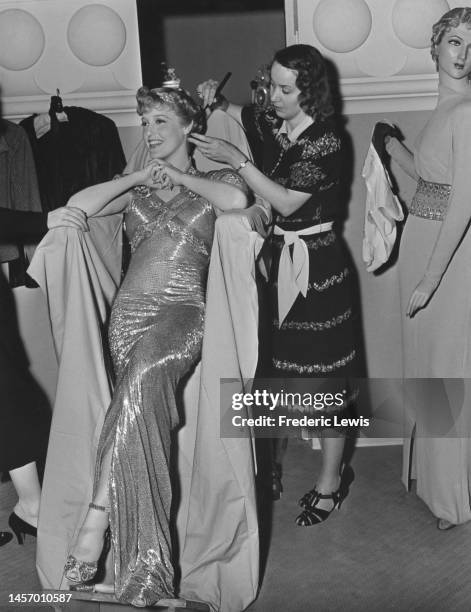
(451, 19)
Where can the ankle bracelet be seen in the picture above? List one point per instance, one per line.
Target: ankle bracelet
(97, 507)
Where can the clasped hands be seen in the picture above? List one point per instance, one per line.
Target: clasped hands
(161, 175)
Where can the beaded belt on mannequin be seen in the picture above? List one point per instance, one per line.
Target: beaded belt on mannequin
(430, 200)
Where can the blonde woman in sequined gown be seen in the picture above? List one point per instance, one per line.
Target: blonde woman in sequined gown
(155, 335)
(435, 274)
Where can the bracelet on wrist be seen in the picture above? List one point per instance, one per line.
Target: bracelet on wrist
(242, 164)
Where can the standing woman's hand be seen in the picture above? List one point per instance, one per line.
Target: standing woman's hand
(218, 150)
(68, 216)
(207, 92)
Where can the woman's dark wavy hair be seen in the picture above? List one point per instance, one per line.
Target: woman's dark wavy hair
(178, 100)
(315, 97)
(451, 19)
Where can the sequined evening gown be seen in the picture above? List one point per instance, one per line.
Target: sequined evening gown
(155, 335)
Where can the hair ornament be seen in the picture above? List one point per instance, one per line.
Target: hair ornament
(169, 78)
(164, 97)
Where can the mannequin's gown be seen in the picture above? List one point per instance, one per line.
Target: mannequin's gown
(437, 340)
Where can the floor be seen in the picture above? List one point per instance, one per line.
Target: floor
(382, 551)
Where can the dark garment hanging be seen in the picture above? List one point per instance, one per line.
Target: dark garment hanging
(18, 183)
(74, 154)
(24, 408)
(21, 225)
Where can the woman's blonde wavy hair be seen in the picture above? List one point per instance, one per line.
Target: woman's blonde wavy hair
(178, 100)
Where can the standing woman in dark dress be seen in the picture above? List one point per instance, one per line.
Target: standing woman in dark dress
(300, 176)
(23, 429)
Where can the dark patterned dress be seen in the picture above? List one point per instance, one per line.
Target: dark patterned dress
(316, 339)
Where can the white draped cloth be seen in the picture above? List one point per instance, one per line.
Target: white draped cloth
(79, 274)
(220, 557)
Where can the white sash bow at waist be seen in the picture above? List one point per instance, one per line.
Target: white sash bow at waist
(293, 273)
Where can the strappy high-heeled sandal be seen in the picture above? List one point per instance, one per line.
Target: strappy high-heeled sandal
(347, 476)
(78, 571)
(306, 500)
(312, 515)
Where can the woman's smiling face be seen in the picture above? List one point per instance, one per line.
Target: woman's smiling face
(164, 133)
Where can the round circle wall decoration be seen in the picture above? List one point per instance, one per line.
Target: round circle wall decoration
(342, 25)
(96, 35)
(22, 39)
(412, 20)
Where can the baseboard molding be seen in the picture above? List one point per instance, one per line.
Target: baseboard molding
(379, 442)
(364, 442)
